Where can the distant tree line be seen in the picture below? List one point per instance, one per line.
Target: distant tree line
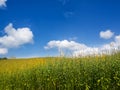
(3, 58)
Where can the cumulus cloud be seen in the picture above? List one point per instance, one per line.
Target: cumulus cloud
(65, 44)
(106, 34)
(3, 3)
(80, 49)
(15, 37)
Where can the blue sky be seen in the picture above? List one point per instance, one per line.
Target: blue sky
(80, 21)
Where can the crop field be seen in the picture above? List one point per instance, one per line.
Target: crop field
(61, 73)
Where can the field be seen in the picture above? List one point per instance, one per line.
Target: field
(61, 73)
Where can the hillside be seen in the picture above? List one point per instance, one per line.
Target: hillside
(88, 73)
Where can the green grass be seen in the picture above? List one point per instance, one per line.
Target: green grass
(89, 73)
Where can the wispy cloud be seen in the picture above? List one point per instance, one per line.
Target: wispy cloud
(106, 34)
(3, 3)
(68, 14)
(15, 37)
(64, 1)
(117, 40)
(3, 51)
(73, 38)
(80, 49)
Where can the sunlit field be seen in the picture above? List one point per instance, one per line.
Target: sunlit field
(13, 65)
(61, 73)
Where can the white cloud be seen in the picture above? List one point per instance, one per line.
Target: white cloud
(3, 51)
(79, 49)
(87, 51)
(117, 39)
(106, 34)
(16, 37)
(3, 3)
(65, 44)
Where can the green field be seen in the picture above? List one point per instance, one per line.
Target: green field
(50, 73)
